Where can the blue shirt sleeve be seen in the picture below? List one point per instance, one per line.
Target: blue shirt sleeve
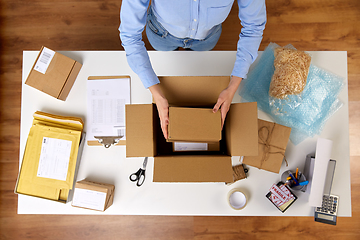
(133, 20)
(252, 14)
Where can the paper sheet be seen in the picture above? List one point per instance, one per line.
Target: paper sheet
(89, 199)
(322, 158)
(106, 107)
(44, 60)
(54, 158)
(189, 146)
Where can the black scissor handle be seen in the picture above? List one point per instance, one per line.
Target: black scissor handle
(139, 176)
(135, 176)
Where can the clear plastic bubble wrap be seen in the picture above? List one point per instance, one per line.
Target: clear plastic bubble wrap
(307, 112)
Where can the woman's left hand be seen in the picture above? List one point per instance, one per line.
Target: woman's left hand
(225, 98)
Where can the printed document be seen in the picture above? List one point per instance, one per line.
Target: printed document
(190, 146)
(54, 158)
(106, 99)
(89, 199)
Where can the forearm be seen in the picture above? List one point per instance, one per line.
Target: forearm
(234, 84)
(156, 92)
(253, 19)
(162, 107)
(133, 20)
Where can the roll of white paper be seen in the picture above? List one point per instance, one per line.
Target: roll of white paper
(322, 158)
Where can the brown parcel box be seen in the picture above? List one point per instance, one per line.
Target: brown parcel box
(97, 187)
(273, 139)
(58, 78)
(144, 137)
(194, 125)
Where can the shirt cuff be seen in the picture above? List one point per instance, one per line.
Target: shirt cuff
(148, 78)
(241, 69)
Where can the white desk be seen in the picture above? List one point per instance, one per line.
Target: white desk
(111, 165)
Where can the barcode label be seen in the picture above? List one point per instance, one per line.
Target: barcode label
(119, 131)
(44, 60)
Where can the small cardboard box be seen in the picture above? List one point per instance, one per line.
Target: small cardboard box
(194, 125)
(144, 137)
(273, 139)
(93, 195)
(53, 73)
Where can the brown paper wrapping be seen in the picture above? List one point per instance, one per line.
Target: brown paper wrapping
(273, 139)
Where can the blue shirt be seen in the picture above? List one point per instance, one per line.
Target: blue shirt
(190, 19)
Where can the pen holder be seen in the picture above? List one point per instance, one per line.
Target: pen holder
(301, 178)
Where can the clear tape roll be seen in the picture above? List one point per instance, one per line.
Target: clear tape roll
(237, 199)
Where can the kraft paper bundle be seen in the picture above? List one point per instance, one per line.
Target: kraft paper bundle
(273, 139)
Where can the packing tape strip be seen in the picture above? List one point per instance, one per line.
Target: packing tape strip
(237, 199)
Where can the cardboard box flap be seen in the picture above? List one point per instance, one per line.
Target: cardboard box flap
(193, 90)
(194, 125)
(193, 169)
(242, 129)
(100, 187)
(140, 133)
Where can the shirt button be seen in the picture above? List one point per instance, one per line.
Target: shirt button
(194, 0)
(193, 29)
(195, 20)
(191, 35)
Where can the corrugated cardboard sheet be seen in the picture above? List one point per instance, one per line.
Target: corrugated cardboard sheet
(193, 169)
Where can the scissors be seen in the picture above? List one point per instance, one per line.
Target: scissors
(139, 176)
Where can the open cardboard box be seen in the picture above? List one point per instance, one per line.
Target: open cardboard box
(144, 137)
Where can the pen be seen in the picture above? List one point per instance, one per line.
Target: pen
(296, 181)
(296, 174)
(300, 174)
(304, 183)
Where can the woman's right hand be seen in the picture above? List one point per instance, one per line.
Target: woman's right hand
(162, 107)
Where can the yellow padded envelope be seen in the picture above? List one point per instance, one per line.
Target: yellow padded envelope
(55, 129)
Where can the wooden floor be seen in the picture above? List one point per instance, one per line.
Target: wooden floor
(92, 25)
